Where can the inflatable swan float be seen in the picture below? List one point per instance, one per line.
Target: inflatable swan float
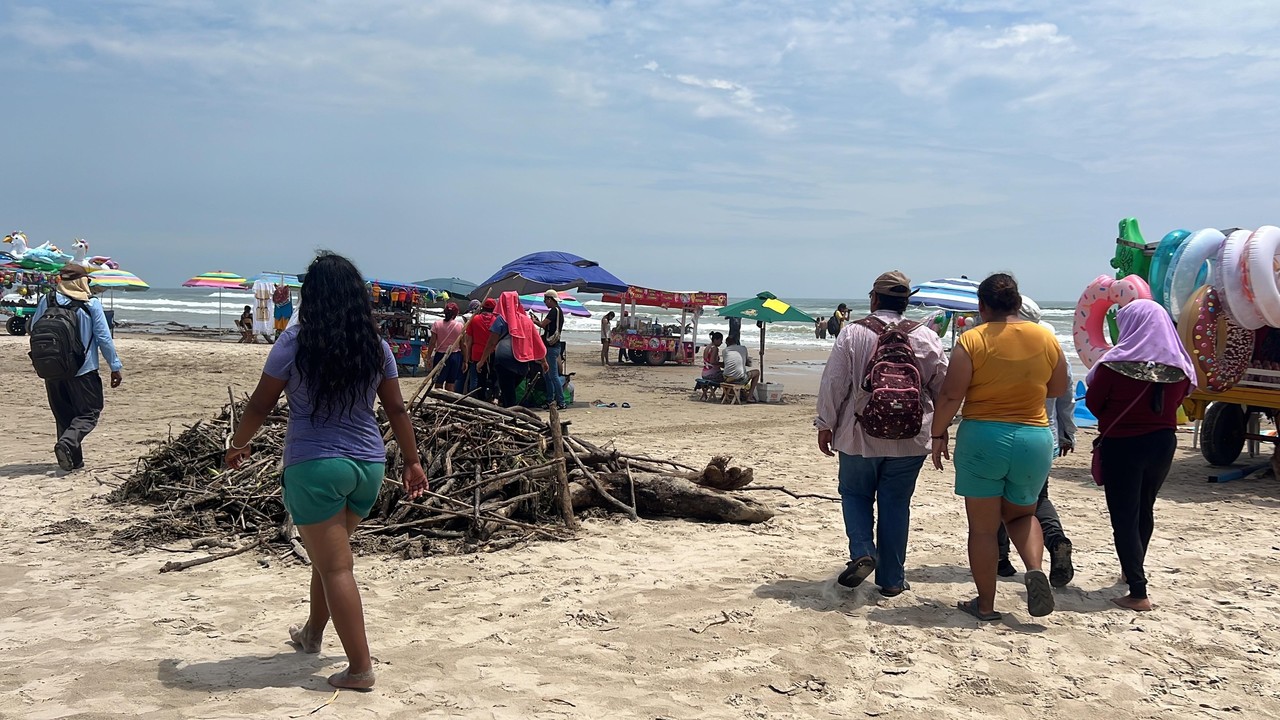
(92, 262)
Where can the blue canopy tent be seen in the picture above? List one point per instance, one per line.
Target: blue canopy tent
(541, 271)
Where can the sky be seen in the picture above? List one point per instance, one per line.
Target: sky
(798, 147)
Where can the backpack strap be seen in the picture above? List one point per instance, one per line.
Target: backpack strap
(872, 323)
(878, 326)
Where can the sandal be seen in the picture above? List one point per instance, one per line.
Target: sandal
(857, 571)
(1039, 593)
(971, 607)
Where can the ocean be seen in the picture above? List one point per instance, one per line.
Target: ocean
(168, 310)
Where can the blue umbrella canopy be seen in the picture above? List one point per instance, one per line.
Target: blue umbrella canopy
(958, 294)
(542, 271)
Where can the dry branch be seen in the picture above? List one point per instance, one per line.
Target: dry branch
(499, 477)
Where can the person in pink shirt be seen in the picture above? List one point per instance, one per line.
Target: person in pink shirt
(446, 347)
(876, 474)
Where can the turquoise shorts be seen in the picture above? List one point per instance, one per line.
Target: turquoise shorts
(998, 459)
(316, 490)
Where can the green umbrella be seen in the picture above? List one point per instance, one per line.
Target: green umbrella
(765, 308)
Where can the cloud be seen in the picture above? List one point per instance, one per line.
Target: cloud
(955, 124)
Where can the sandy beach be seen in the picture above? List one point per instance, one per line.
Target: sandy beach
(650, 619)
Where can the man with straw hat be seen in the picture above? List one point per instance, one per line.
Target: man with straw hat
(76, 399)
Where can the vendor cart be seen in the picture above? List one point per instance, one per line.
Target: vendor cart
(1225, 420)
(20, 293)
(398, 308)
(648, 340)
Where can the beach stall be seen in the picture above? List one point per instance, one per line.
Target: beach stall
(765, 308)
(1220, 288)
(398, 308)
(649, 341)
(21, 292)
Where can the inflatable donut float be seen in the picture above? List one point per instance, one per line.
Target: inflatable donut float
(1185, 268)
(1229, 282)
(1161, 262)
(1258, 281)
(1089, 327)
(1219, 349)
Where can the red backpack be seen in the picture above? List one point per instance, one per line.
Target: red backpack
(895, 410)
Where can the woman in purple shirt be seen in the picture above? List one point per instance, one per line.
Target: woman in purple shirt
(332, 365)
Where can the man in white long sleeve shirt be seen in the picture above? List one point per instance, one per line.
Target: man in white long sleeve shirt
(876, 472)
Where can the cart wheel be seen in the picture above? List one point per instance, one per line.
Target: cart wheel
(655, 357)
(17, 325)
(1222, 433)
(636, 356)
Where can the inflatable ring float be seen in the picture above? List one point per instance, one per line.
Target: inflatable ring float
(1161, 261)
(1184, 270)
(1089, 327)
(1259, 277)
(1229, 282)
(1219, 348)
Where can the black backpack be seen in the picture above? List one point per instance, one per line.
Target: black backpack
(833, 326)
(56, 350)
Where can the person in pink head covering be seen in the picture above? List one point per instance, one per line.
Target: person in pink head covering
(1135, 391)
(446, 347)
(514, 345)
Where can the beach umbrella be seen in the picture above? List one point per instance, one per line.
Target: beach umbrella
(220, 280)
(764, 308)
(958, 294)
(117, 280)
(541, 271)
(456, 287)
(568, 303)
(112, 280)
(276, 278)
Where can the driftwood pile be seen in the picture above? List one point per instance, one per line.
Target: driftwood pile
(498, 478)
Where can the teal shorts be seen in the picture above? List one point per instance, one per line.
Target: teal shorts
(316, 490)
(998, 459)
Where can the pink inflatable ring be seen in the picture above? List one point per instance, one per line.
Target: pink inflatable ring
(1089, 328)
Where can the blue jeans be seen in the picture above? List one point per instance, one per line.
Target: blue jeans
(555, 392)
(477, 379)
(889, 481)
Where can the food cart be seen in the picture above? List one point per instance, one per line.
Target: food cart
(648, 340)
(398, 308)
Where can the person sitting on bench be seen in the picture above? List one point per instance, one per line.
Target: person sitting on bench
(734, 362)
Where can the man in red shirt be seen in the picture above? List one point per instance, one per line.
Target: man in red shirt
(479, 381)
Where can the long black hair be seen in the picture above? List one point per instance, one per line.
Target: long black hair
(339, 350)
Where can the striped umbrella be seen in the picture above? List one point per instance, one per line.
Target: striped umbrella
(958, 294)
(117, 280)
(112, 280)
(568, 303)
(219, 279)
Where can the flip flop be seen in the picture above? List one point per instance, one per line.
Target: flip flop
(612, 405)
(1039, 593)
(857, 571)
(626, 406)
(971, 607)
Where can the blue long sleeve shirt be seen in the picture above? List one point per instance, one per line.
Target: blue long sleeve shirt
(95, 334)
